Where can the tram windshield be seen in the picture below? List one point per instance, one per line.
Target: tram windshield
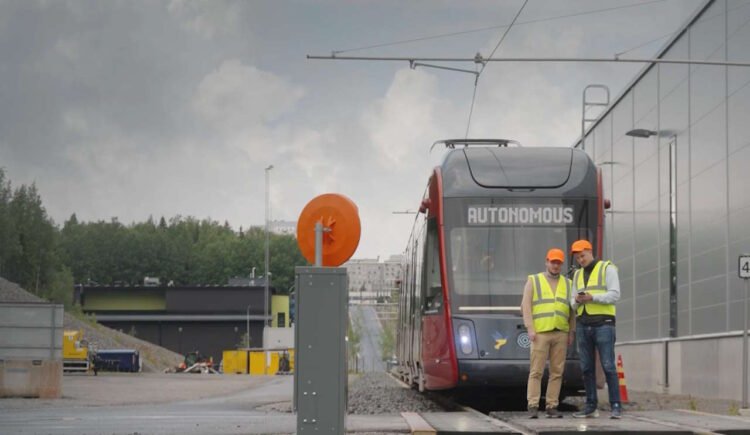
(494, 244)
(489, 261)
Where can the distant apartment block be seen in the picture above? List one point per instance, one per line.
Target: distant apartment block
(371, 280)
(283, 227)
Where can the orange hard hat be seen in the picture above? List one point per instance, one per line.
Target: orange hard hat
(580, 245)
(556, 254)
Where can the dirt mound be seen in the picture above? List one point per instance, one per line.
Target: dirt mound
(154, 358)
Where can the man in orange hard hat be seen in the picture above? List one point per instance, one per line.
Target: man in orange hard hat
(596, 289)
(551, 327)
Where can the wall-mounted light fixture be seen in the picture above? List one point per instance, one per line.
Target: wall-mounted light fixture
(641, 133)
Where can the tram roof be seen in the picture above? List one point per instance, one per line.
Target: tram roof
(472, 170)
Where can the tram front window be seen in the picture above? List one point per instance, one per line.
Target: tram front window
(496, 261)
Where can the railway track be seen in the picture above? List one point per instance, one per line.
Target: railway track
(507, 415)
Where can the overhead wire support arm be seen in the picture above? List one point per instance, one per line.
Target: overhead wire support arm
(411, 60)
(414, 65)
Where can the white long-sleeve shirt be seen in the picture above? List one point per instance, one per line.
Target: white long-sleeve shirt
(613, 289)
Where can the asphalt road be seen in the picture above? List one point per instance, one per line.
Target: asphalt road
(160, 410)
(371, 330)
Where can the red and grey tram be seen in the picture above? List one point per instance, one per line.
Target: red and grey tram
(489, 214)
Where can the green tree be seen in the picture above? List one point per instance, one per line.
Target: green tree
(9, 246)
(32, 265)
(60, 287)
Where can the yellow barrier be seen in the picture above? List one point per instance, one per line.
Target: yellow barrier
(235, 362)
(255, 361)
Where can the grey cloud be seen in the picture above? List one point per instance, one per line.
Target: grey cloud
(131, 108)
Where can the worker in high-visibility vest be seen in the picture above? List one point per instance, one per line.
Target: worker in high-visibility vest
(596, 289)
(550, 325)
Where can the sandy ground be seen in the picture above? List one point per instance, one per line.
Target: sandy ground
(108, 389)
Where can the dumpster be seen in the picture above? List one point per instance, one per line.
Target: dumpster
(118, 360)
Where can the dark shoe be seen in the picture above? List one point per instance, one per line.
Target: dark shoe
(553, 413)
(616, 411)
(588, 412)
(533, 412)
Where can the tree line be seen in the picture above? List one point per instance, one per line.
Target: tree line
(47, 259)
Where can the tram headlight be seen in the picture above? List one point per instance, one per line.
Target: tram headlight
(464, 337)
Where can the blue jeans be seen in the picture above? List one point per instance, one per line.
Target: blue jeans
(591, 339)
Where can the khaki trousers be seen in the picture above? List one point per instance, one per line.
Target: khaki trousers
(552, 344)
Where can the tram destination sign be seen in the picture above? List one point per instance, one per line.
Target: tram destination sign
(514, 215)
(744, 266)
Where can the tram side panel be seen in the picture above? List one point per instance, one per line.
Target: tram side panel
(409, 315)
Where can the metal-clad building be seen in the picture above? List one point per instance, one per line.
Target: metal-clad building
(701, 111)
(680, 194)
(209, 319)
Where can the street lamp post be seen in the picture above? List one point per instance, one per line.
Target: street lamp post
(672, 149)
(672, 156)
(268, 275)
(248, 326)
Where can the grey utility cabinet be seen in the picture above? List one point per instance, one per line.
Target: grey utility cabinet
(320, 382)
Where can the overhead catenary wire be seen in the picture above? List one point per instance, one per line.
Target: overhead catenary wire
(620, 53)
(502, 38)
(479, 60)
(675, 33)
(484, 29)
(484, 65)
(471, 106)
(535, 59)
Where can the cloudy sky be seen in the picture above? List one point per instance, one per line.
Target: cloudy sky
(132, 109)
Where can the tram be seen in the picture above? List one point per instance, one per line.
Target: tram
(489, 214)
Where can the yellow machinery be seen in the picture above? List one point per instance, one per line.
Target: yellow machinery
(75, 352)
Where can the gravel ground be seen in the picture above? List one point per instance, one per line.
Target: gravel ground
(154, 358)
(378, 393)
(12, 292)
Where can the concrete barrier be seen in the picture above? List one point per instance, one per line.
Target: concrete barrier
(31, 378)
(707, 365)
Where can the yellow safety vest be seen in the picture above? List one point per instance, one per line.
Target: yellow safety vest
(549, 310)
(597, 285)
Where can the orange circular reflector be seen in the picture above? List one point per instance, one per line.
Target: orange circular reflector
(340, 214)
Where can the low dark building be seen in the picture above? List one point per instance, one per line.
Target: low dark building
(209, 319)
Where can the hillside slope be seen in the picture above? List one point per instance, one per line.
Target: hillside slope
(154, 358)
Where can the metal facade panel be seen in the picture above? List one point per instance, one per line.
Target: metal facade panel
(125, 299)
(216, 300)
(321, 371)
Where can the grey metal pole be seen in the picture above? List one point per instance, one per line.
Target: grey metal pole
(744, 350)
(318, 244)
(268, 214)
(248, 326)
